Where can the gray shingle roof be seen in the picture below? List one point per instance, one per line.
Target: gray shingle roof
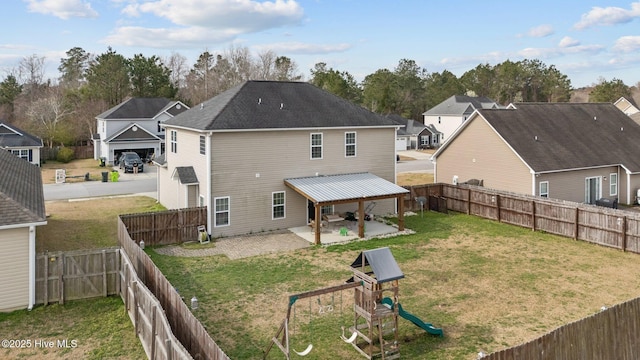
(409, 126)
(187, 175)
(461, 104)
(136, 108)
(276, 105)
(21, 192)
(11, 137)
(558, 136)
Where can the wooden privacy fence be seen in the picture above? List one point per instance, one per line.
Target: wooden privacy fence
(609, 334)
(74, 275)
(615, 228)
(149, 320)
(165, 227)
(186, 327)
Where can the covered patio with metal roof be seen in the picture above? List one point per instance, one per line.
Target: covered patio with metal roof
(328, 190)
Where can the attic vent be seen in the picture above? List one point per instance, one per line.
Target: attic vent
(621, 129)
(595, 118)
(535, 138)
(201, 106)
(281, 106)
(259, 101)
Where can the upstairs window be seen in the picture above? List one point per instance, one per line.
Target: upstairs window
(349, 144)
(174, 141)
(316, 145)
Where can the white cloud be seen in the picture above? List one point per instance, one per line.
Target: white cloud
(239, 15)
(627, 44)
(304, 48)
(167, 38)
(542, 53)
(540, 31)
(568, 42)
(608, 16)
(63, 9)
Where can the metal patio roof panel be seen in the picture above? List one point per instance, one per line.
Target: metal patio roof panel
(327, 188)
(382, 262)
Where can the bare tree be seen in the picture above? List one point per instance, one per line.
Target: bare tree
(46, 117)
(31, 74)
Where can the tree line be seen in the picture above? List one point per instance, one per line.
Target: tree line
(62, 111)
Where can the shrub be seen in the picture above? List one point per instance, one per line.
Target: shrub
(65, 155)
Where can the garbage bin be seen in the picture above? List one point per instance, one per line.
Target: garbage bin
(115, 175)
(105, 176)
(103, 162)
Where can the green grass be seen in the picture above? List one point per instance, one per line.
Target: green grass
(100, 327)
(489, 285)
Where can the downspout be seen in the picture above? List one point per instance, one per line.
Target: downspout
(208, 183)
(533, 183)
(628, 187)
(32, 267)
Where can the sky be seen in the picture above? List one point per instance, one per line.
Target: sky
(587, 40)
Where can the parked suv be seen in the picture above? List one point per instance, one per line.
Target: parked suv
(129, 160)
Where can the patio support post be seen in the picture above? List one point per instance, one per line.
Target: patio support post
(318, 222)
(361, 218)
(400, 200)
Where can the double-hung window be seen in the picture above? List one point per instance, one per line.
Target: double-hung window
(613, 184)
(277, 205)
(222, 211)
(349, 144)
(174, 141)
(316, 145)
(544, 188)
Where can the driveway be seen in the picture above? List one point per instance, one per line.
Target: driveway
(128, 184)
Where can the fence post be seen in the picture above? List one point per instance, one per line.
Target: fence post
(468, 201)
(498, 205)
(118, 272)
(136, 320)
(61, 280)
(575, 234)
(104, 273)
(45, 296)
(624, 233)
(533, 215)
(167, 345)
(153, 332)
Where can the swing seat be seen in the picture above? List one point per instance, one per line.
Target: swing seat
(305, 352)
(351, 339)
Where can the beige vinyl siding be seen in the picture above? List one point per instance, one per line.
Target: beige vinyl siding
(633, 185)
(479, 153)
(249, 166)
(174, 195)
(570, 185)
(14, 269)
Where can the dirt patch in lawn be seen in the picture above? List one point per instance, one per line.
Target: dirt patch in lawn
(407, 179)
(75, 170)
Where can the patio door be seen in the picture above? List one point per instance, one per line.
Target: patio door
(592, 189)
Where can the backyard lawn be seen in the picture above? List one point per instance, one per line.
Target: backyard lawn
(488, 285)
(101, 328)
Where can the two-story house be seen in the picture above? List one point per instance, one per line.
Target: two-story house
(454, 111)
(133, 125)
(20, 143)
(269, 155)
(569, 151)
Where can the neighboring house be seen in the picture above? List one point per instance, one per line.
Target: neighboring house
(134, 125)
(20, 143)
(627, 106)
(454, 111)
(21, 211)
(415, 135)
(269, 155)
(569, 151)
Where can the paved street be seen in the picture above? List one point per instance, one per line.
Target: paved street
(420, 164)
(141, 183)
